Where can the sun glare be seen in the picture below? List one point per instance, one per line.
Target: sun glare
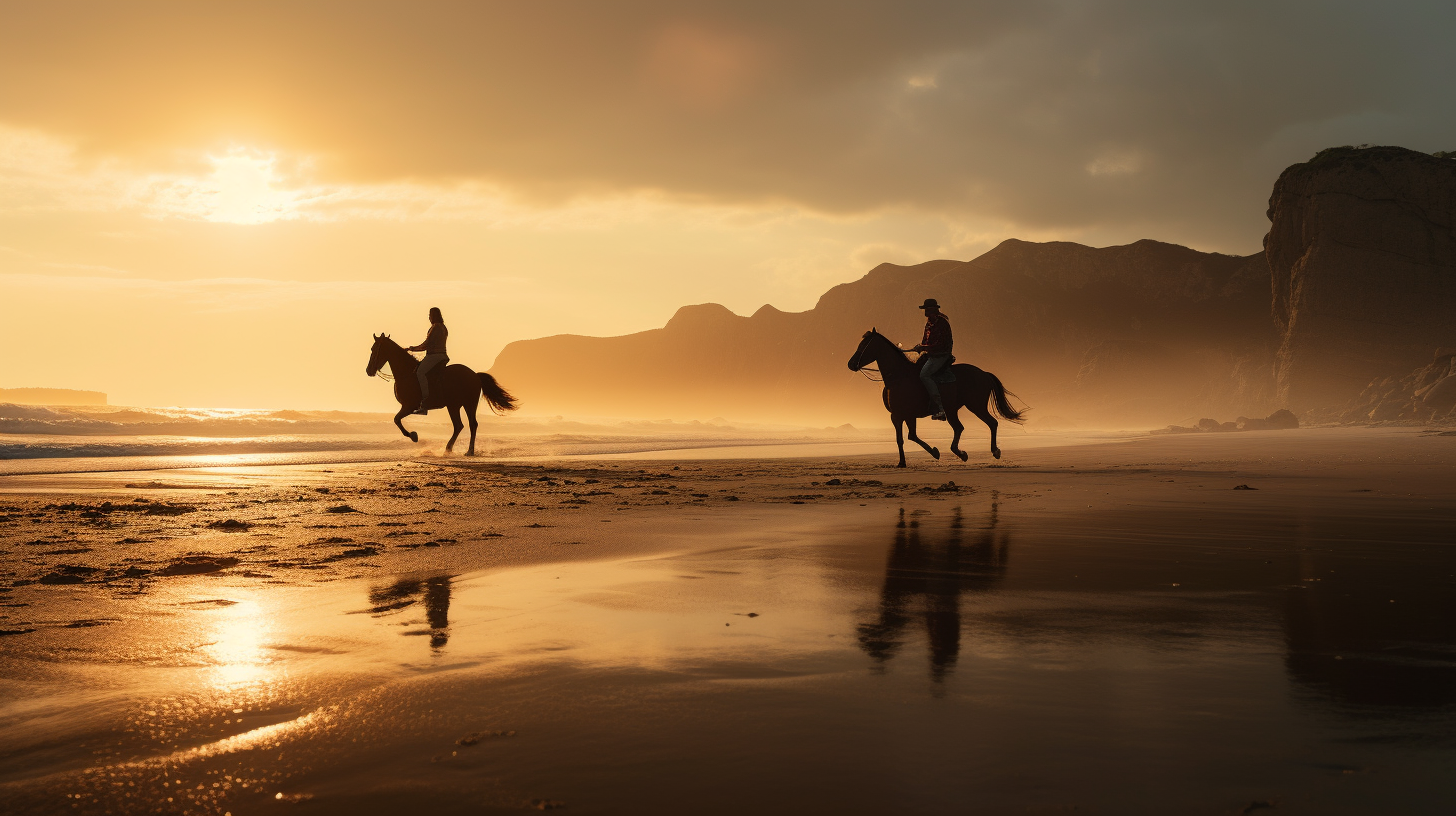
(243, 189)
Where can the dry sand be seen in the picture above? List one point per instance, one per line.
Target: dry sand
(1112, 628)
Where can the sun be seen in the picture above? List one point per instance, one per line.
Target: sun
(245, 188)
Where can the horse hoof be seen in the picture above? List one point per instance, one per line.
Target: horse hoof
(996, 452)
(902, 464)
(962, 454)
(414, 437)
(935, 452)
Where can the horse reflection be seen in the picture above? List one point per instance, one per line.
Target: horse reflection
(925, 577)
(433, 591)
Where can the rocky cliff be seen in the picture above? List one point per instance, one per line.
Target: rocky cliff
(1362, 250)
(1121, 335)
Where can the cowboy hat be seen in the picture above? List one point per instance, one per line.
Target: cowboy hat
(930, 304)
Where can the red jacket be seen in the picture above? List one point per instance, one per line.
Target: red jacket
(937, 335)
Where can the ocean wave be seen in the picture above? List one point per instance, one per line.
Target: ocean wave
(182, 422)
(63, 447)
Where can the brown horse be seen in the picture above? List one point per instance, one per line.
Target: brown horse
(905, 398)
(455, 388)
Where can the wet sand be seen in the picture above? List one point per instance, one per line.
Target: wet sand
(1106, 628)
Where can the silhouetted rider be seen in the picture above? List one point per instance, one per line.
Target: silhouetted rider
(937, 347)
(434, 349)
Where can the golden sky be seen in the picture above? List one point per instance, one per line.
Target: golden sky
(216, 204)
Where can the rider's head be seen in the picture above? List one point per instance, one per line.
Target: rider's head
(435, 316)
(930, 307)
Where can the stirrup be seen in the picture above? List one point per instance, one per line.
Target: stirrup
(421, 411)
(939, 416)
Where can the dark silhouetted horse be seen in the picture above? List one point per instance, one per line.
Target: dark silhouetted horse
(455, 388)
(905, 398)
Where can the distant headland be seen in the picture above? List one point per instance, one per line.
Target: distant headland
(51, 396)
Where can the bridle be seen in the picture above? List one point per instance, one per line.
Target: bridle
(380, 372)
(872, 373)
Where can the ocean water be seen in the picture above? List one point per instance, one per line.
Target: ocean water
(70, 439)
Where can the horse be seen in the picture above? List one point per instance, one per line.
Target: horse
(906, 399)
(455, 388)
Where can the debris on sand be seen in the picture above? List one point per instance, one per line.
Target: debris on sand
(4, 632)
(342, 508)
(230, 525)
(198, 565)
(1244, 487)
(67, 574)
(475, 737)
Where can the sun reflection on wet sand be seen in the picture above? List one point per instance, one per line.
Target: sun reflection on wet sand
(238, 632)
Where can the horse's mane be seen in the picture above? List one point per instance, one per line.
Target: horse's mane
(891, 343)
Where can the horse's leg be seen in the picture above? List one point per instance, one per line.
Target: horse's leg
(404, 412)
(953, 416)
(991, 423)
(455, 421)
(934, 452)
(470, 414)
(899, 439)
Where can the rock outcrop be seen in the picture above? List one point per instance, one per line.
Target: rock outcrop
(1426, 394)
(1362, 250)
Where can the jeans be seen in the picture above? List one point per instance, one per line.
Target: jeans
(934, 363)
(426, 365)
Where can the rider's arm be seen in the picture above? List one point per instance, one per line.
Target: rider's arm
(424, 342)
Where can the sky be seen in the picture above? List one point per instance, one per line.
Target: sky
(216, 204)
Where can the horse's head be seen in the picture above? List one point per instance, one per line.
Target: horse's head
(378, 354)
(863, 355)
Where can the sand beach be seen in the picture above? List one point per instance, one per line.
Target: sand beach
(1093, 628)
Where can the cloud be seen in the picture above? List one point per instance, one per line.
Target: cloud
(985, 109)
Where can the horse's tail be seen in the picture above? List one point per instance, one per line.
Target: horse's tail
(999, 402)
(499, 398)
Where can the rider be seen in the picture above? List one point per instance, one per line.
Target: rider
(434, 348)
(937, 346)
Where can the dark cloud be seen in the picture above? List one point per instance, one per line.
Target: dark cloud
(1046, 114)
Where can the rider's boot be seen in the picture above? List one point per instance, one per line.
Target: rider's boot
(420, 409)
(939, 412)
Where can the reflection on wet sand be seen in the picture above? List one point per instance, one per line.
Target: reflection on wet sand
(1372, 632)
(434, 591)
(926, 575)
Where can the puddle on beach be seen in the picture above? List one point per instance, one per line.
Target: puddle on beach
(954, 659)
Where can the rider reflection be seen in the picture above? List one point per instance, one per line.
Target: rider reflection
(433, 591)
(925, 577)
